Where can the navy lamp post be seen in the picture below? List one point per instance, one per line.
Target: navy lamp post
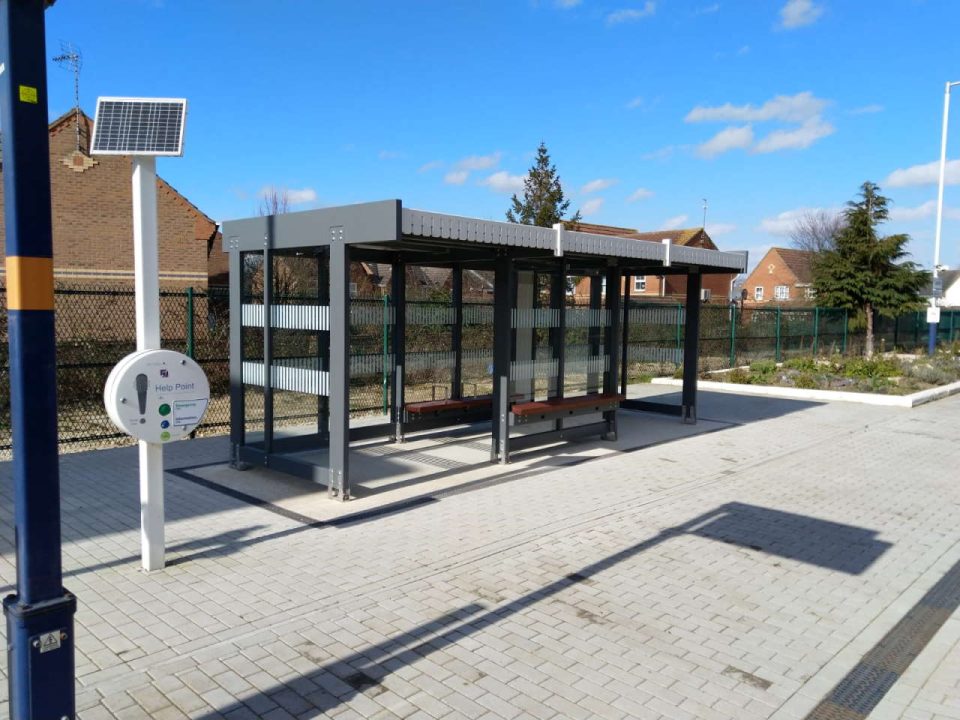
(40, 614)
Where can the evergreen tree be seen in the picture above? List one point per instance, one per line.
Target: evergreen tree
(543, 203)
(865, 272)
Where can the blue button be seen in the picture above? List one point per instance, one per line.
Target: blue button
(164, 424)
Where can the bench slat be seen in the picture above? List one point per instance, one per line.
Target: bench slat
(447, 405)
(561, 404)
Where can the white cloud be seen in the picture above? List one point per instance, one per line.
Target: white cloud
(744, 49)
(432, 165)
(456, 177)
(717, 229)
(784, 223)
(926, 174)
(591, 207)
(567, 3)
(674, 222)
(866, 109)
(787, 108)
(633, 14)
(921, 212)
(389, 155)
(504, 182)
(639, 194)
(707, 9)
(730, 138)
(635, 103)
(479, 162)
(598, 185)
(661, 154)
(802, 137)
(797, 13)
(294, 197)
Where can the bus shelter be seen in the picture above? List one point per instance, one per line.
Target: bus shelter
(506, 339)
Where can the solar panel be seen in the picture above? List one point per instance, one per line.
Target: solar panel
(139, 126)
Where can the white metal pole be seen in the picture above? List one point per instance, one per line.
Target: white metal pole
(943, 166)
(147, 285)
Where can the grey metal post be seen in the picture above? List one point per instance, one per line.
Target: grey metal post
(398, 280)
(268, 339)
(323, 351)
(625, 342)
(237, 399)
(456, 381)
(339, 455)
(595, 332)
(502, 342)
(691, 350)
(611, 344)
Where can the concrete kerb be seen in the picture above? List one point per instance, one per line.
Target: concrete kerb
(907, 401)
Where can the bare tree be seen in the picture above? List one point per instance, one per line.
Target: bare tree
(817, 230)
(274, 202)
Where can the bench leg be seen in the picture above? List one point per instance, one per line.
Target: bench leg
(611, 418)
(504, 419)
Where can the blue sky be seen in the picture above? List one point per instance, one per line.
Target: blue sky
(647, 106)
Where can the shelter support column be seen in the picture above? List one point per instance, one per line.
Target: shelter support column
(611, 344)
(502, 347)
(398, 282)
(691, 349)
(625, 338)
(237, 400)
(456, 286)
(339, 482)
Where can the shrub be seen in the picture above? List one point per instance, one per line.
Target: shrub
(803, 364)
(805, 381)
(738, 376)
(872, 369)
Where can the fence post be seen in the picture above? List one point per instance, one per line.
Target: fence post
(896, 332)
(778, 356)
(733, 335)
(190, 322)
(816, 330)
(846, 320)
(916, 328)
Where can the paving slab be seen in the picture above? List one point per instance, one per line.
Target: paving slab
(740, 573)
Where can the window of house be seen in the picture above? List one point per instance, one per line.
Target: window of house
(781, 292)
(639, 283)
(810, 293)
(758, 293)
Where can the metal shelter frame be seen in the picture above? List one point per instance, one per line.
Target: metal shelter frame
(530, 319)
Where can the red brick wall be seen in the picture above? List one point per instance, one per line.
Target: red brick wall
(93, 221)
(770, 272)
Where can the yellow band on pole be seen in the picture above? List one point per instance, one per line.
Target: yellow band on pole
(29, 283)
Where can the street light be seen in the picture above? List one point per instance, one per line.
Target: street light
(933, 315)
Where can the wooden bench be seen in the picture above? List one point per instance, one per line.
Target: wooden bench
(440, 413)
(556, 410)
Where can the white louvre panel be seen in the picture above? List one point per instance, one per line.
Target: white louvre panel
(647, 353)
(369, 364)
(594, 365)
(431, 315)
(370, 314)
(289, 317)
(478, 314)
(253, 373)
(534, 318)
(302, 377)
(668, 315)
(477, 356)
(428, 360)
(532, 369)
(585, 317)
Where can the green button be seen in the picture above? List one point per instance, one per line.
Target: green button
(164, 435)
(164, 409)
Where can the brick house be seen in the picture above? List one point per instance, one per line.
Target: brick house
(92, 208)
(672, 288)
(782, 276)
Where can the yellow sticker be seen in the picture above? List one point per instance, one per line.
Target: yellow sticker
(28, 94)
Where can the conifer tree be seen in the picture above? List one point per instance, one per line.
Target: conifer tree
(865, 272)
(543, 203)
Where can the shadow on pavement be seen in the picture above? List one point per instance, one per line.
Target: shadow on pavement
(802, 538)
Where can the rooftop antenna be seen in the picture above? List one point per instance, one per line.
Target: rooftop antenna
(71, 59)
(704, 213)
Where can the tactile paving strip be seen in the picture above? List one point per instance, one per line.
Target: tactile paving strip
(863, 688)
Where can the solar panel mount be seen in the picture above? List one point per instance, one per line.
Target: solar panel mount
(139, 126)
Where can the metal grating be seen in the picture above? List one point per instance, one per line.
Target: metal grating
(139, 126)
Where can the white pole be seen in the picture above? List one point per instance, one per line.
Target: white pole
(147, 284)
(943, 166)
